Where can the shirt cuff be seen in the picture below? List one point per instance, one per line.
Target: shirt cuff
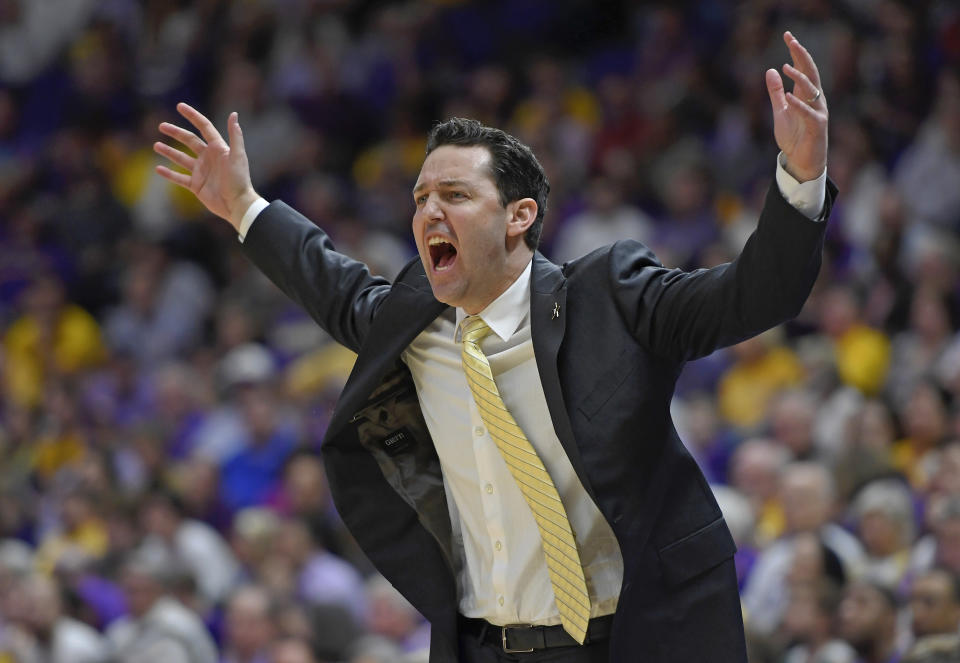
(807, 197)
(249, 216)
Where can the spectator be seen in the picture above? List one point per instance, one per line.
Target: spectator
(166, 302)
(935, 603)
(792, 418)
(607, 219)
(391, 616)
(194, 544)
(933, 160)
(808, 500)
(158, 628)
(253, 435)
(868, 615)
(809, 623)
(60, 639)
(321, 576)
(756, 469)
(249, 626)
(81, 532)
(763, 367)
(861, 353)
(52, 337)
(925, 417)
(883, 514)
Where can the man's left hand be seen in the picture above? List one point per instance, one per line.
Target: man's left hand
(799, 117)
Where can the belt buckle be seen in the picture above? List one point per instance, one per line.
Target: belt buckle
(503, 639)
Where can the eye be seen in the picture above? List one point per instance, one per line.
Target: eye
(420, 200)
(457, 195)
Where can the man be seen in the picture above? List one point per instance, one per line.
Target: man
(159, 627)
(807, 494)
(196, 545)
(249, 626)
(60, 638)
(503, 448)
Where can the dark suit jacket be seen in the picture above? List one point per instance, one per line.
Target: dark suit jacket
(608, 361)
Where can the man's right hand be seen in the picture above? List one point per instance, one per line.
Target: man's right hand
(219, 175)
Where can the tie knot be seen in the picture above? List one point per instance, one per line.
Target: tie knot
(474, 329)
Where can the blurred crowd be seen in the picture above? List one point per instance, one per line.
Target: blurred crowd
(161, 403)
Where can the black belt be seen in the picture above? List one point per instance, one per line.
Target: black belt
(523, 638)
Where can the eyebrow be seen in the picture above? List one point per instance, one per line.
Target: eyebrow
(443, 183)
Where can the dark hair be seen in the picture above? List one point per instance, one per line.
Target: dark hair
(516, 171)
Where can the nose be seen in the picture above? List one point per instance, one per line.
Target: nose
(432, 209)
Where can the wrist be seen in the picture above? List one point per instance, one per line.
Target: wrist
(240, 206)
(803, 174)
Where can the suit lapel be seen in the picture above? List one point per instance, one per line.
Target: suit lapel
(410, 307)
(548, 322)
(406, 312)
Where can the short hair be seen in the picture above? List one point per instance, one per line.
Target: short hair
(892, 498)
(515, 169)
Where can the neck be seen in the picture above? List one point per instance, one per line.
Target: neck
(516, 263)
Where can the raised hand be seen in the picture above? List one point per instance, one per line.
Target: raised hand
(219, 176)
(799, 117)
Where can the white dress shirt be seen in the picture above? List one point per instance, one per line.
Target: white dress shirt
(504, 577)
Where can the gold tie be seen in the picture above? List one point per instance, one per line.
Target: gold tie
(556, 536)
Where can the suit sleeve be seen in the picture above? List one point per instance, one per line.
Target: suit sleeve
(685, 315)
(336, 291)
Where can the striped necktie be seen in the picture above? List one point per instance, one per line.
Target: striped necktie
(556, 535)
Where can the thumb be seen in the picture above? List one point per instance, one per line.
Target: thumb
(778, 99)
(235, 134)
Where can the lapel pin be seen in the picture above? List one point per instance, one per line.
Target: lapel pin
(556, 311)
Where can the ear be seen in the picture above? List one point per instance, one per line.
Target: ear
(524, 213)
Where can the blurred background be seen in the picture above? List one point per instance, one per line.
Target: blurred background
(161, 403)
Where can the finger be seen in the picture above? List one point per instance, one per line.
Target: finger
(176, 156)
(188, 138)
(236, 135)
(775, 90)
(180, 179)
(803, 87)
(802, 107)
(802, 59)
(198, 120)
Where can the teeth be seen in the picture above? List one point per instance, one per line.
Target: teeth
(433, 241)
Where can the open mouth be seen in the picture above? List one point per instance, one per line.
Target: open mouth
(442, 253)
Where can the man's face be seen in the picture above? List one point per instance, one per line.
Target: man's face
(933, 606)
(460, 227)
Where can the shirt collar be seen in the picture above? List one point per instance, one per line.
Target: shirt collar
(505, 313)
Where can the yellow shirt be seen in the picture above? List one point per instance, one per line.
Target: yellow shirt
(745, 391)
(76, 344)
(863, 357)
(90, 537)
